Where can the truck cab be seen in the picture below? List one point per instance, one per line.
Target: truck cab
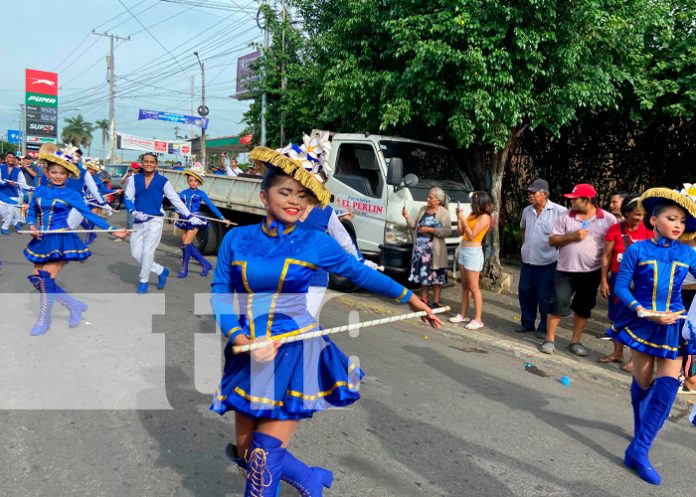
(376, 176)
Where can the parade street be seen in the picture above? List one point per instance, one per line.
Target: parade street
(441, 414)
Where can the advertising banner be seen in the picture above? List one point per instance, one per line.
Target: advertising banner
(41, 108)
(245, 76)
(201, 122)
(131, 142)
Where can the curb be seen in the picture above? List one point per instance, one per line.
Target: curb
(560, 363)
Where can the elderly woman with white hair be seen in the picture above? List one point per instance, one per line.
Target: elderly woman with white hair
(429, 258)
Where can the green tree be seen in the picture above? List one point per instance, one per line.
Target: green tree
(103, 125)
(474, 74)
(77, 131)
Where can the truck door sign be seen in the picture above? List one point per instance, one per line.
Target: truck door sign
(359, 205)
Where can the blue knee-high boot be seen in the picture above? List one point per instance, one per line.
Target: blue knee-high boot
(309, 481)
(201, 260)
(654, 411)
(74, 306)
(638, 395)
(264, 466)
(185, 259)
(46, 287)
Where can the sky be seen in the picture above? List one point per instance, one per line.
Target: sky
(153, 69)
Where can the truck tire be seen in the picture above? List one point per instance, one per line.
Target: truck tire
(339, 283)
(207, 242)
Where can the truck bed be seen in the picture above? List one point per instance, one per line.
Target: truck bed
(237, 193)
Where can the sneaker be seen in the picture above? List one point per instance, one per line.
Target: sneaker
(474, 325)
(548, 347)
(541, 334)
(577, 349)
(142, 287)
(523, 330)
(4, 231)
(459, 319)
(162, 278)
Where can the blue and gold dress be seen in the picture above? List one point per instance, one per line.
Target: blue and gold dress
(270, 271)
(193, 198)
(53, 204)
(657, 270)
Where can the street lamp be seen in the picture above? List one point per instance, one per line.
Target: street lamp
(203, 110)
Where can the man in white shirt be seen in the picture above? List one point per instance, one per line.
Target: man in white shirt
(538, 257)
(231, 166)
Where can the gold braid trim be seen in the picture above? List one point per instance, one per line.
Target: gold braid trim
(266, 156)
(72, 168)
(676, 197)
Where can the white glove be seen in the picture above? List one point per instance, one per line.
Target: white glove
(108, 209)
(140, 216)
(373, 265)
(196, 221)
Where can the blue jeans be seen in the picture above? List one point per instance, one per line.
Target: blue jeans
(535, 291)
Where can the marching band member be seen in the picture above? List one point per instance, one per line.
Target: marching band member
(50, 208)
(193, 198)
(270, 266)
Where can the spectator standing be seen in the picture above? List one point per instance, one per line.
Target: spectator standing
(429, 258)
(579, 236)
(178, 166)
(231, 166)
(472, 228)
(538, 257)
(29, 170)
(615, 203)
(619, 237)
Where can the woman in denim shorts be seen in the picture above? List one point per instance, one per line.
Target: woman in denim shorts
(472, 228)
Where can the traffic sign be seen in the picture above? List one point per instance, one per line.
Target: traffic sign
(14, 136)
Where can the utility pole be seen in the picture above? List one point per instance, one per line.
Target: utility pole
(264, 102)
(111, 77)
(203, 110)
(22, 127)
(283, 78)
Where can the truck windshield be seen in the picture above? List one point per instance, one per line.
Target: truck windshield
(434, 166)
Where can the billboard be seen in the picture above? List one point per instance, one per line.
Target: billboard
(245, 76)
(131, 142)
(14, 136)
(41, 99)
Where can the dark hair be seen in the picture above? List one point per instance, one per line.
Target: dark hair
(275, 175)
(7, 154)
(659, 209)
(481, 203)
(79, 151)
(150, 154)
(629, 204)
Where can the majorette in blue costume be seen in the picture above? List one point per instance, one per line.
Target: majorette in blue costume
(270, 266)
(7, 202)
(85, 185)
(12, 182)
(50, 249)
(93, 168)
(650, 323)
(193, 198)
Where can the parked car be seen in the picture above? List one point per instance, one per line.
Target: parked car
(116, 172)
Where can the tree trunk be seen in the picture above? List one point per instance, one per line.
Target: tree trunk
(486, 168)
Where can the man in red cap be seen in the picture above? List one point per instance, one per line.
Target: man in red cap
(579, 236)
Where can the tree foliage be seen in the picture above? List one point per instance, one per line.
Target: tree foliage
(77, 131)
(475, 75)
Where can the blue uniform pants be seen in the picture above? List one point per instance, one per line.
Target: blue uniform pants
(535, 290)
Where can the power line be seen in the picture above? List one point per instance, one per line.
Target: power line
(153, 37)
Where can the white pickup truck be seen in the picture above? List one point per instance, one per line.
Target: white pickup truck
(374, 177)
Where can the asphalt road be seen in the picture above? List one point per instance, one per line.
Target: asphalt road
(119, 406)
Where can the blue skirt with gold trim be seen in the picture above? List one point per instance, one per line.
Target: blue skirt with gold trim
(306, 377)
(53, 248)
(646, 336)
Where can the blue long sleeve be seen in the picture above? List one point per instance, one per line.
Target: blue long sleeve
(32, 213)
(334, 259)
(222, 300)
(211, 205)
(78, 203)
(625, 276)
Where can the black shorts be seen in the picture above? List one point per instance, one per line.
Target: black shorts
(576, 292)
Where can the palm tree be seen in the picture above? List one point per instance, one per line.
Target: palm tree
(77, 131)
(103, 125)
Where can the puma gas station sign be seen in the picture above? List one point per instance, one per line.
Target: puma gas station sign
(42, 107)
